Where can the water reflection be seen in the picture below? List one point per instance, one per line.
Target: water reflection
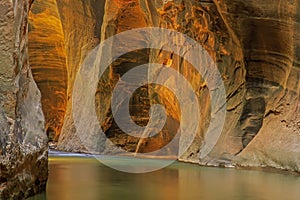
(85, 178)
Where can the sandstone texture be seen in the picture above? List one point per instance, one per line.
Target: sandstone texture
(23, 142)
(81, 22)
(254, 44)
(48, 62)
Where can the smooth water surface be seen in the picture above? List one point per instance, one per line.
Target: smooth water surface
(83, 177)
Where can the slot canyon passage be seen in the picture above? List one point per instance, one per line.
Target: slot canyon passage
(44, 43)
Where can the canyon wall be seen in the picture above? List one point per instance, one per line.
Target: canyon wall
(48, 62)
(23, 142)
(254, 44)
(81, 22)
(269, 36)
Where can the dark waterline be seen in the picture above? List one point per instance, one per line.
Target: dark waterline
(83, 177)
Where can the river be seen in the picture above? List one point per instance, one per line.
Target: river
(74, 177)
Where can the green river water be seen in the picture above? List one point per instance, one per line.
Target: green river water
(73, 177)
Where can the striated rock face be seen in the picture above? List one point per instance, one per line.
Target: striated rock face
(48, 62)
(23, 142)
(254, 44)
(269, 36)
(81, 22)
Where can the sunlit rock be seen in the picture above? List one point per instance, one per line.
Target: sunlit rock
(255, 46)
(47, 58)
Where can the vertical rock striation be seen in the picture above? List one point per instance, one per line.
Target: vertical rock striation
(47, 59)
(269, 122)
(81, 22)
(23, 143)
(254, 44)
